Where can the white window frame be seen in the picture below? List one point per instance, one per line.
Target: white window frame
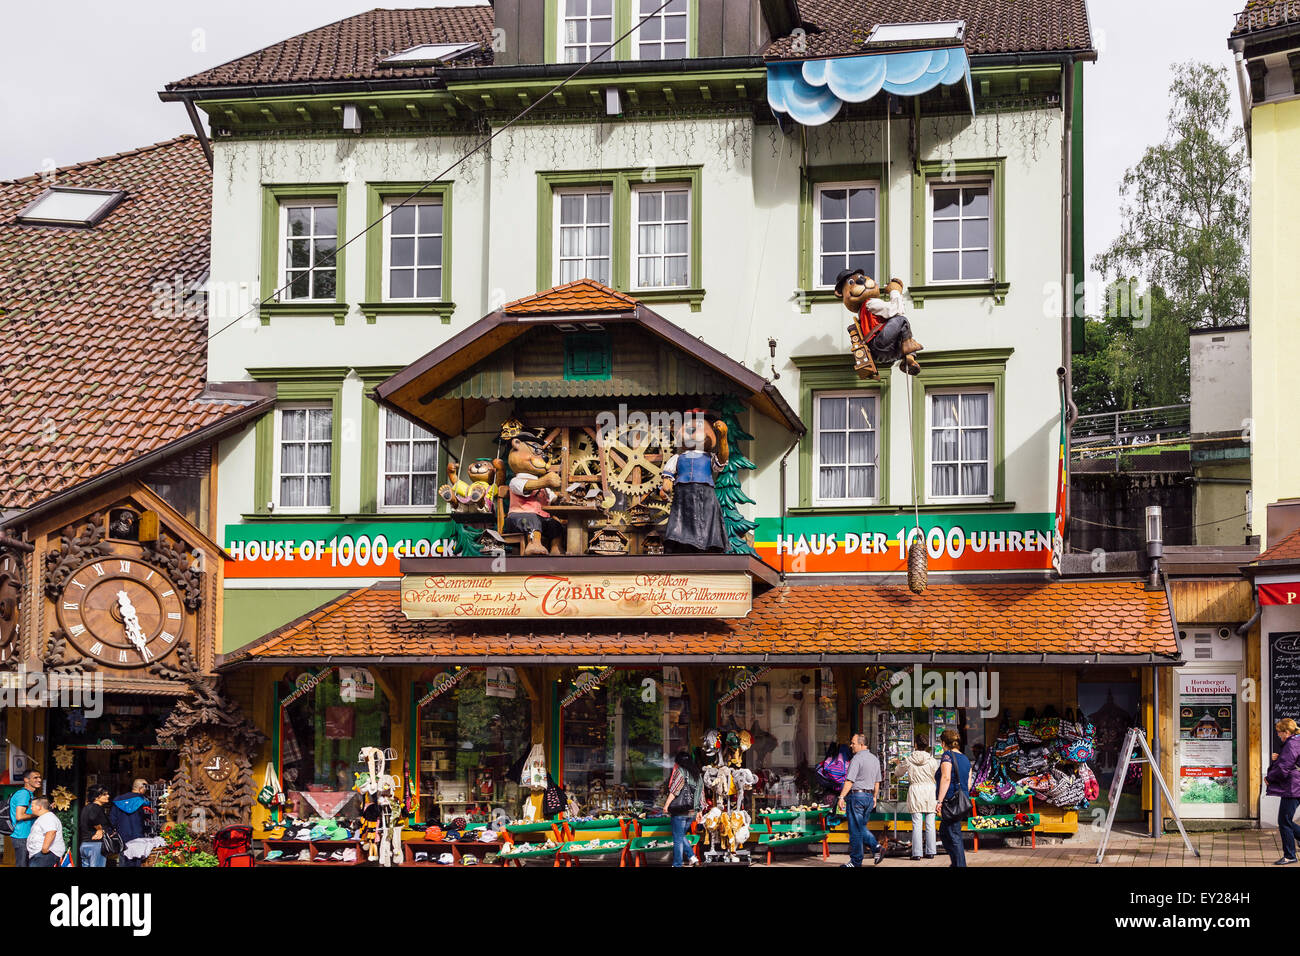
(990, 464)
(606, 189)
(284, 237)
(816, 497)
(634, 265)
(281, 508)
(562, 20)
(994, 225)
(389, 206)
(383, 473)
(817, 227)
(663, 17)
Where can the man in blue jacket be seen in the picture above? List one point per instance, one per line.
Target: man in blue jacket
(127, 814)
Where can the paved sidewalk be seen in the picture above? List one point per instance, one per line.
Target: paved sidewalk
(1233, 848)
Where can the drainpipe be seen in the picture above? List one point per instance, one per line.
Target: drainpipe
(1243, 90)
(793, 446)
(1157, 816)
(199, 131)
(1068, 279)
(1243, 629)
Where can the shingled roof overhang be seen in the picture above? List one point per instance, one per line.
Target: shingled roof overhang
(969, 625)
(412, 392)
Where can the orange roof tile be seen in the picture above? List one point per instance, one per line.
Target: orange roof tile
(1017, 617)
(96, 367)
(584, 295)
(1288, 549)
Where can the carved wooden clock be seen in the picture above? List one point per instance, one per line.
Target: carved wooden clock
(122, 612)
(10, 595)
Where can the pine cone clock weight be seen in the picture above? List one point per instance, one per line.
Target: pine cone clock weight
(918, 567)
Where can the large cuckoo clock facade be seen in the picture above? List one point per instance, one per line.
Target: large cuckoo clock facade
(123, 589)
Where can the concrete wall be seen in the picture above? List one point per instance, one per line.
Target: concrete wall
(1274, 308)
(1220, 373)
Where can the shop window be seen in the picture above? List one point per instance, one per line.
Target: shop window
(321, 734)
(792, 717)
(619, 731)
(469, 737)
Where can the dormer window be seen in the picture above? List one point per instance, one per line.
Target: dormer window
(68, 206)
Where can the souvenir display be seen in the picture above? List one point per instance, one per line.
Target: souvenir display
(533, 486)
(695, 518)
(726, 822)
(880, 334)
(476, 493)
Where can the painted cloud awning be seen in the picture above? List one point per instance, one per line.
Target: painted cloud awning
(812, 91)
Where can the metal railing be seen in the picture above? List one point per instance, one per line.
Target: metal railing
(1113, 433)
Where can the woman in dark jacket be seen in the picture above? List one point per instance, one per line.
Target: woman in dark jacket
(1284, 781)
(953, 774)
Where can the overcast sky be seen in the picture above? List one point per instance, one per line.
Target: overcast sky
(90, 87)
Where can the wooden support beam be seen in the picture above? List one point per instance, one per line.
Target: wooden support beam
(741, 91)
(413, 110)
(450, 107)
(597, 98)
(670, 96)
(302, 112)
(487, 100)
(558, 96)
(524, 100)
(634, 97)
(268, 115)
(376, 111)
(705, 93)
(233, 117)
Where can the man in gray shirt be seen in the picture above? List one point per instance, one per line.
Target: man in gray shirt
(861, 786)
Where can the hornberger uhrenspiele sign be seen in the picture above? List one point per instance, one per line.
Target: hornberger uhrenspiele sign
(575, 595)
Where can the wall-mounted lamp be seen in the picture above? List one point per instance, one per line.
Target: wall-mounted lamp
(1155, 541)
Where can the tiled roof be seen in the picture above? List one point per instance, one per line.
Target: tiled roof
(836, 27)
(351, 49)
(1288, 549)
(584, 295)
(92, 375)
(1027, 617)
(1264, 14)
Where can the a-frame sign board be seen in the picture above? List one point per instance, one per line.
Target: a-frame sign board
(1137, 738)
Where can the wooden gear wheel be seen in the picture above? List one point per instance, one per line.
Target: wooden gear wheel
(634, 458)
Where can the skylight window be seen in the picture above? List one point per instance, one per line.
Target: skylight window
(429, 53)
(66, 206)
(931, 33)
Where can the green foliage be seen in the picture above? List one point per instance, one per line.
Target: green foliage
(1186, 206)
(467, 542)
(737, 527)
(1125, 365)
(1206, 791)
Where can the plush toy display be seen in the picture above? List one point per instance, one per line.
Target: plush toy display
(881, 334)
(532, 488)
(695, 520)
(477, 493)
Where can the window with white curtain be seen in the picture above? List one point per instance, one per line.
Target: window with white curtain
(583, 226)
(960, 443)
(586, 29)
(661, 231)
(845, 230)
(304, 446)
(408, 466)
(845, 447)
(662, 35)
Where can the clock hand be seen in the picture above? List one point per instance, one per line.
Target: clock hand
(130, 622)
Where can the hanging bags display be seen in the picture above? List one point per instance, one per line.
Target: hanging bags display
(534, 776)
(270, 795)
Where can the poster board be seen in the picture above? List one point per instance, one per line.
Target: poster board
(1283, 679)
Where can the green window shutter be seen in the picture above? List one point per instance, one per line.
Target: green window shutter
(588, 357)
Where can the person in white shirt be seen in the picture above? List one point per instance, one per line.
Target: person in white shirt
(922, 799)
(45, 846)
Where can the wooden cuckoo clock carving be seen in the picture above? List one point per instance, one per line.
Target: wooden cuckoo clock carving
(122, 612)
(10, 599)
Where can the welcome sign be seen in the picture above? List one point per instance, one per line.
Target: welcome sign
(878, 543)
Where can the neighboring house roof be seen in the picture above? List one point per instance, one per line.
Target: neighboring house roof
(836, 27)
(798, 622)
(1265, 14)
(92, 374)
(352, 48)
(1286, 550)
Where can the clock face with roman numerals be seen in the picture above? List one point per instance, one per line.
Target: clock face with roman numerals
(122, 612)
